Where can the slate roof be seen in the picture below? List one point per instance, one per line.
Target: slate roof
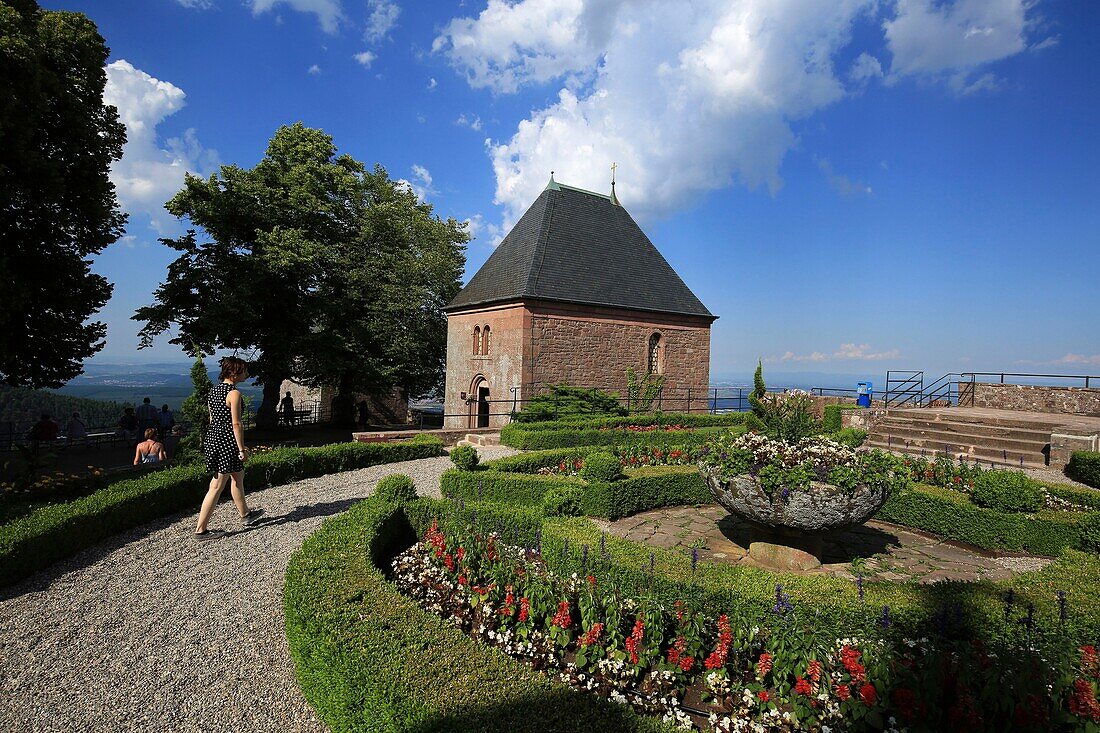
(576, 246)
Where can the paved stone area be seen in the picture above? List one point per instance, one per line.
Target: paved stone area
(878, 550)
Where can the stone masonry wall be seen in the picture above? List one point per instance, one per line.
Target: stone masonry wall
(502, 368)
(593, 347)
(1069, 400)
(391, 409)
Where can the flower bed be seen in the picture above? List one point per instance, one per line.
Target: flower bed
(56, 531)
(723, 672)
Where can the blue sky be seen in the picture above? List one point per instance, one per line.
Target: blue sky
(852, 186)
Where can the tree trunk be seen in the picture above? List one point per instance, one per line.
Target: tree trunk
(268, 416)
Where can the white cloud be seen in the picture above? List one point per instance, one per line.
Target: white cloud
(864, 68)
(471, 121)
(1048, 42)
(842, 184)
(150, 173)
(432, 84)
(1093, 360)
(483, 232)
(329, 13)
(421, 183)
(196, 4)
(940, 40)
(366, 58)
(382, 19)
(851, 352)
(685, 98)
(313, 70)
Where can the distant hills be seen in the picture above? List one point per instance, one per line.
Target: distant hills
(22, 407)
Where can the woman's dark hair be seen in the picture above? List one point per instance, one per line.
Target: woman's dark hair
(232, 368)
(150, 433)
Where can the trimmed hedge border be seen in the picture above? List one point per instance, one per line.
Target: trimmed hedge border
(833, 421)
(516, 437)
(370, 659)
(687, 419)
(57, 531)
(951, 514)
(654, 488)
(1084, 466)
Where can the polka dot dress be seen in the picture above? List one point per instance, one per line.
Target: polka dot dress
(220, 446)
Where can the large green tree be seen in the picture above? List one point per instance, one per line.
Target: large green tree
(57, 205)
(325, 271)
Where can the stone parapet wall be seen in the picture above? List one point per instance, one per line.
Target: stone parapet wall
(1065, 400)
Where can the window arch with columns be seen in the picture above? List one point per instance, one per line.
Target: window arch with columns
(486, 341)
(655, 356)
(477, 340)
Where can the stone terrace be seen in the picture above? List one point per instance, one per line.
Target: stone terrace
(885, 551)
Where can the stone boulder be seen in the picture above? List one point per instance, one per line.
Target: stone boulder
(820, 508)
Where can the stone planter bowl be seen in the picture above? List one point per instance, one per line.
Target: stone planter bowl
(820, 508)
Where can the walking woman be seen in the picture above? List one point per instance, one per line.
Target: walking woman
(223, 445)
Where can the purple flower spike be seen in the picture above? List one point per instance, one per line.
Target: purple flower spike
(694, 558)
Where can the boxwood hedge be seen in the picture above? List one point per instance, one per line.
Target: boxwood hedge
(613, 431)
(370, 659)
(952, 515)
(1084, 466)
(56, 531)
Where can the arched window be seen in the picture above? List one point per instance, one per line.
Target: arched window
(654, 363)
(477, 340)
(487, 341)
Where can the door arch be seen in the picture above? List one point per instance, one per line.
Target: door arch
(479, 403)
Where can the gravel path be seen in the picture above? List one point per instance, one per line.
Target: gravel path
(154, 631)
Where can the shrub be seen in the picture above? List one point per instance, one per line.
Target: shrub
(464, 457)
(834, 422)
(1090, 532)
(56, 531)
(565, 401)
(851, 437)
(520, 437)
(1007, 491)
(1084, 466)
(562, 501)
(601, 467)
(397, 488)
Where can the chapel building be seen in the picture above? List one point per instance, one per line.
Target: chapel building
(575, 293)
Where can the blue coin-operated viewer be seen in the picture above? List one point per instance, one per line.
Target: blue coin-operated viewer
(864, 390)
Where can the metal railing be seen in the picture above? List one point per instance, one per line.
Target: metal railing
(908, 388)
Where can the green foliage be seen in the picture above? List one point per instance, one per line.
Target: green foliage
(759, 389)
(336, 274)
(1007, 491)
(951, 514)
(851, 437)
(359, 646)
(642, 392)
(56, 531)
(195, 413)
(787, 416)
(464, 457)
(1090, 532)
(563, 501)
(24, 406)
(397, 488)
(833, 421)
(59, 206)
(668, 429)
(601, 466)
(563, 401)
(1084, 466)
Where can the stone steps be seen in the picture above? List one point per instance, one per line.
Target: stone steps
(480, 439)
(998, 440)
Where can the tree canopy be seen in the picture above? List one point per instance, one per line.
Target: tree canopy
(57, 205)
(325, 271)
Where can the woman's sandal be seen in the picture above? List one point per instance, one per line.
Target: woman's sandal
(207, 535)
(253, 514)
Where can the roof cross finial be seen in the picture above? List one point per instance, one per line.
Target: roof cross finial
(614, 199)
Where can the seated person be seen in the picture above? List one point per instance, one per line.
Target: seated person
(76, 430)
(128, 424)
(150, 450)
(44, 430)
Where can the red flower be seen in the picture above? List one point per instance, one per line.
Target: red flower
(763, 696)
(1082, 702)
(906, 702)
(764, 665)
(461, 553)
(686, 663)
(635, 640)
(813, 670)
(524, 605)
(718, 657)
(592, 580)
(592, 635)
(1090, 662)
(509, 603)
(562, 618)
(462, 580)
(849, 657)
(868, 694)
(449, 562)
(802, 687)
(843, 692)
